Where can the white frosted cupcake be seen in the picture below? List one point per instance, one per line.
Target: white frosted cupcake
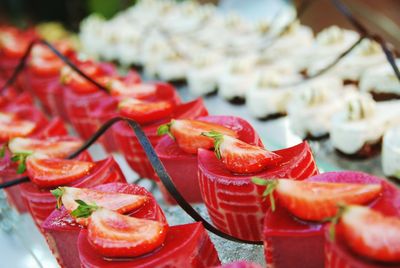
(269, 94)
(358, 130)
(203, 74)
(328, 45)
(381, 82)
(173, 67)
(366, 55)
(313, 105)
(236, 79)
(391, 152)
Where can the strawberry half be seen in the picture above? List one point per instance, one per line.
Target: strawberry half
(52, 147)
(12, 44)
(138, 91)
(121, 203)
(240, 157)
(317, 201)
(11, 127)
(77, 82)
(144, 111)
(114, 235)
(50, 172)
(188, 133)
(371, 234)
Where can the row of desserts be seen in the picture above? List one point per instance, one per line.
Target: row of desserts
(177, 56)
(273, 86)
(295, 162)
(66, 237)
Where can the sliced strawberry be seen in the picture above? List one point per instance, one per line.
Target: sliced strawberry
(121, 203)
(50, 172)
(138, 91)
(114, 235)
(11, 127)
(43, 67)
(144, 111)
(371, 234)
(52, 147)
(240, 157)
(316, 201)
(79, 83)
(188, 133)
(12, 45)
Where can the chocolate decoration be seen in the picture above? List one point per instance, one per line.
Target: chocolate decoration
(22, 63)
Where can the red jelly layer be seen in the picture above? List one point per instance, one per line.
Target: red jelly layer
(289, 241)
(129, 145)
(108, 109)
(62, 231)
(186, 245)
(234, 203)
(41, 202)
(338, 254)
(183, 167)
(78, 106)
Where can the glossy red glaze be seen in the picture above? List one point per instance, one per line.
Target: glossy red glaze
(62, 232)
(108, 109)
(28, 112)
(338, 254)
(183, 167)
(186, 245)
(41, 202)
(131, 148)
(78, 106)
(288, 240)
(234, 203)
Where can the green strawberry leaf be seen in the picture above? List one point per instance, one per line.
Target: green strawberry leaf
(165, 129)
(270, 186)
(58, 193)
(218, 139)
(84, 210)
(3, 150)
(334, 221)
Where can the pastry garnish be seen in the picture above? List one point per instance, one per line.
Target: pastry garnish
(360, 108)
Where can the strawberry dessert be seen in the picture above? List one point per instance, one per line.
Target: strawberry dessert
(112, 239)
(151, 118)
(62, 230)
(13, 44)
(232, 200)
(80, 97)
(48, 173)
(366, 237)
(178, 149)
(294, 229)
(127, 92)
(19, 121)
(42, 76)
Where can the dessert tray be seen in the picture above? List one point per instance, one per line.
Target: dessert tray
(101, 166)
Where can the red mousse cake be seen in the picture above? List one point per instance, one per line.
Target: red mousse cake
(179, 155)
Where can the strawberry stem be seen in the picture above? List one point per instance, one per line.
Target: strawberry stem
(84, 210)
(3, 150)
(21, 159)
(218, 139)
(334, 221)
(58, 193)
(270, 186)
(165, 129)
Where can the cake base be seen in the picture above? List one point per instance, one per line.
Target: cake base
(367, 151)
(384, 96)
(271, 117)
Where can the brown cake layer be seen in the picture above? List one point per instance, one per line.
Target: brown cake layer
(348, 82)
(272, 116)
(368, 150)
(237, 100)
(384, 96)
(178, 82)
(316, 138)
